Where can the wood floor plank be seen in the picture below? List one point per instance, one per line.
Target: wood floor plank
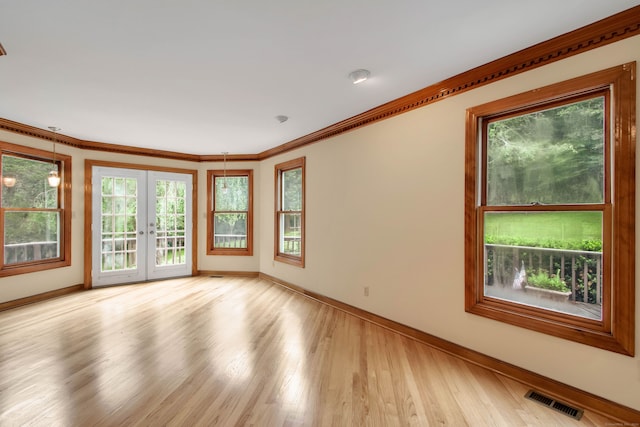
(236, 351)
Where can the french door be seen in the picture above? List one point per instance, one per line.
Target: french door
(141, 225)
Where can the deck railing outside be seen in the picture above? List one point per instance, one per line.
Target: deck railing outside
(31, 251)
(578, 269)
(292, 245)
(229, 240)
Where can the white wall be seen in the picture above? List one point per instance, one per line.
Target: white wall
(385, 209)
(357, 184)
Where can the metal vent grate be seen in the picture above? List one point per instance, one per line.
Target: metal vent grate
(570, 411)
(216, 277)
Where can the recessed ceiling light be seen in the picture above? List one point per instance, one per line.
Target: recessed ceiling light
(358, 76)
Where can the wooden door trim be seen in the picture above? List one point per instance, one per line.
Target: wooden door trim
(88, 209)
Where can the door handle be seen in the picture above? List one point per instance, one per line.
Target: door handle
(140, 232)
(151, 232)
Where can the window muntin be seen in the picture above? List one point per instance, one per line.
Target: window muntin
(34, 221)
(171, 222)
(119, 216)
(549, 202)
(289, 236)
(230, 216)
(546, 159)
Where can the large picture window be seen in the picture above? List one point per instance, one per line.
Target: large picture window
(34, 215)
(230, 213)
(550, 210)
(289, 201)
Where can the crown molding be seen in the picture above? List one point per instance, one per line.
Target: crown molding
(601, 33)
(230, 157)
(35, 132)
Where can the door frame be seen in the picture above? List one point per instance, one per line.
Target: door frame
(88, 209)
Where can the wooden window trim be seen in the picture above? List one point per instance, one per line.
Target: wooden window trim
(64, 197)
(279, 169)
(211, 250)
(616, 331)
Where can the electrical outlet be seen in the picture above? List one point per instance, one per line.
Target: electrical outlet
(366, 291)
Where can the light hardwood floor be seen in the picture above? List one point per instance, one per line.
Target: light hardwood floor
(236, 351)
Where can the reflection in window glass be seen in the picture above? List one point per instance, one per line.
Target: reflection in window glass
(34, 234)
(554, 156)
(31, 236)
(170, 223)
(231, 211)
(289, 206)
(119, 218)
(551, 260)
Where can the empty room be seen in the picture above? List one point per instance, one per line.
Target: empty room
(319, 213)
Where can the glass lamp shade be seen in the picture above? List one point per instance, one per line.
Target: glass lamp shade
(54, 179)
(9, 181)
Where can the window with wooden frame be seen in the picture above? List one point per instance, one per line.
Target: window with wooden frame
(35, 218)
(550, 209)
(230, 213)
(289, 215)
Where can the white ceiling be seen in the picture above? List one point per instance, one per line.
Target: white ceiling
(209, 76)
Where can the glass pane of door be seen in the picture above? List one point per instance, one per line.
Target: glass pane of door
(119, 233)
(170, 222)
(119, 223)
(169, 243)
(142, 225)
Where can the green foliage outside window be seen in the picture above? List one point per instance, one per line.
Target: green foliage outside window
(289, 204)
(231, 211)
(554, 156)
(31, 191)
(551, 157)
(292, 190)
(542, 279)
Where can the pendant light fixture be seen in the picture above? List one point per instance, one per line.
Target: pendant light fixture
(225, 189)
(54, 177)
(9, 180)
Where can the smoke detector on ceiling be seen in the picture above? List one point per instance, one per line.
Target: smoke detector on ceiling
(358, 76)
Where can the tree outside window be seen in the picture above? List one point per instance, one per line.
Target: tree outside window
(289, 236)
(545, 211)
(34, 220)
(230, 217)
(549, 205)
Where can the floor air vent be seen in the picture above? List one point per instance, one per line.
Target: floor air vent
(216, 277)
(554, 404)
